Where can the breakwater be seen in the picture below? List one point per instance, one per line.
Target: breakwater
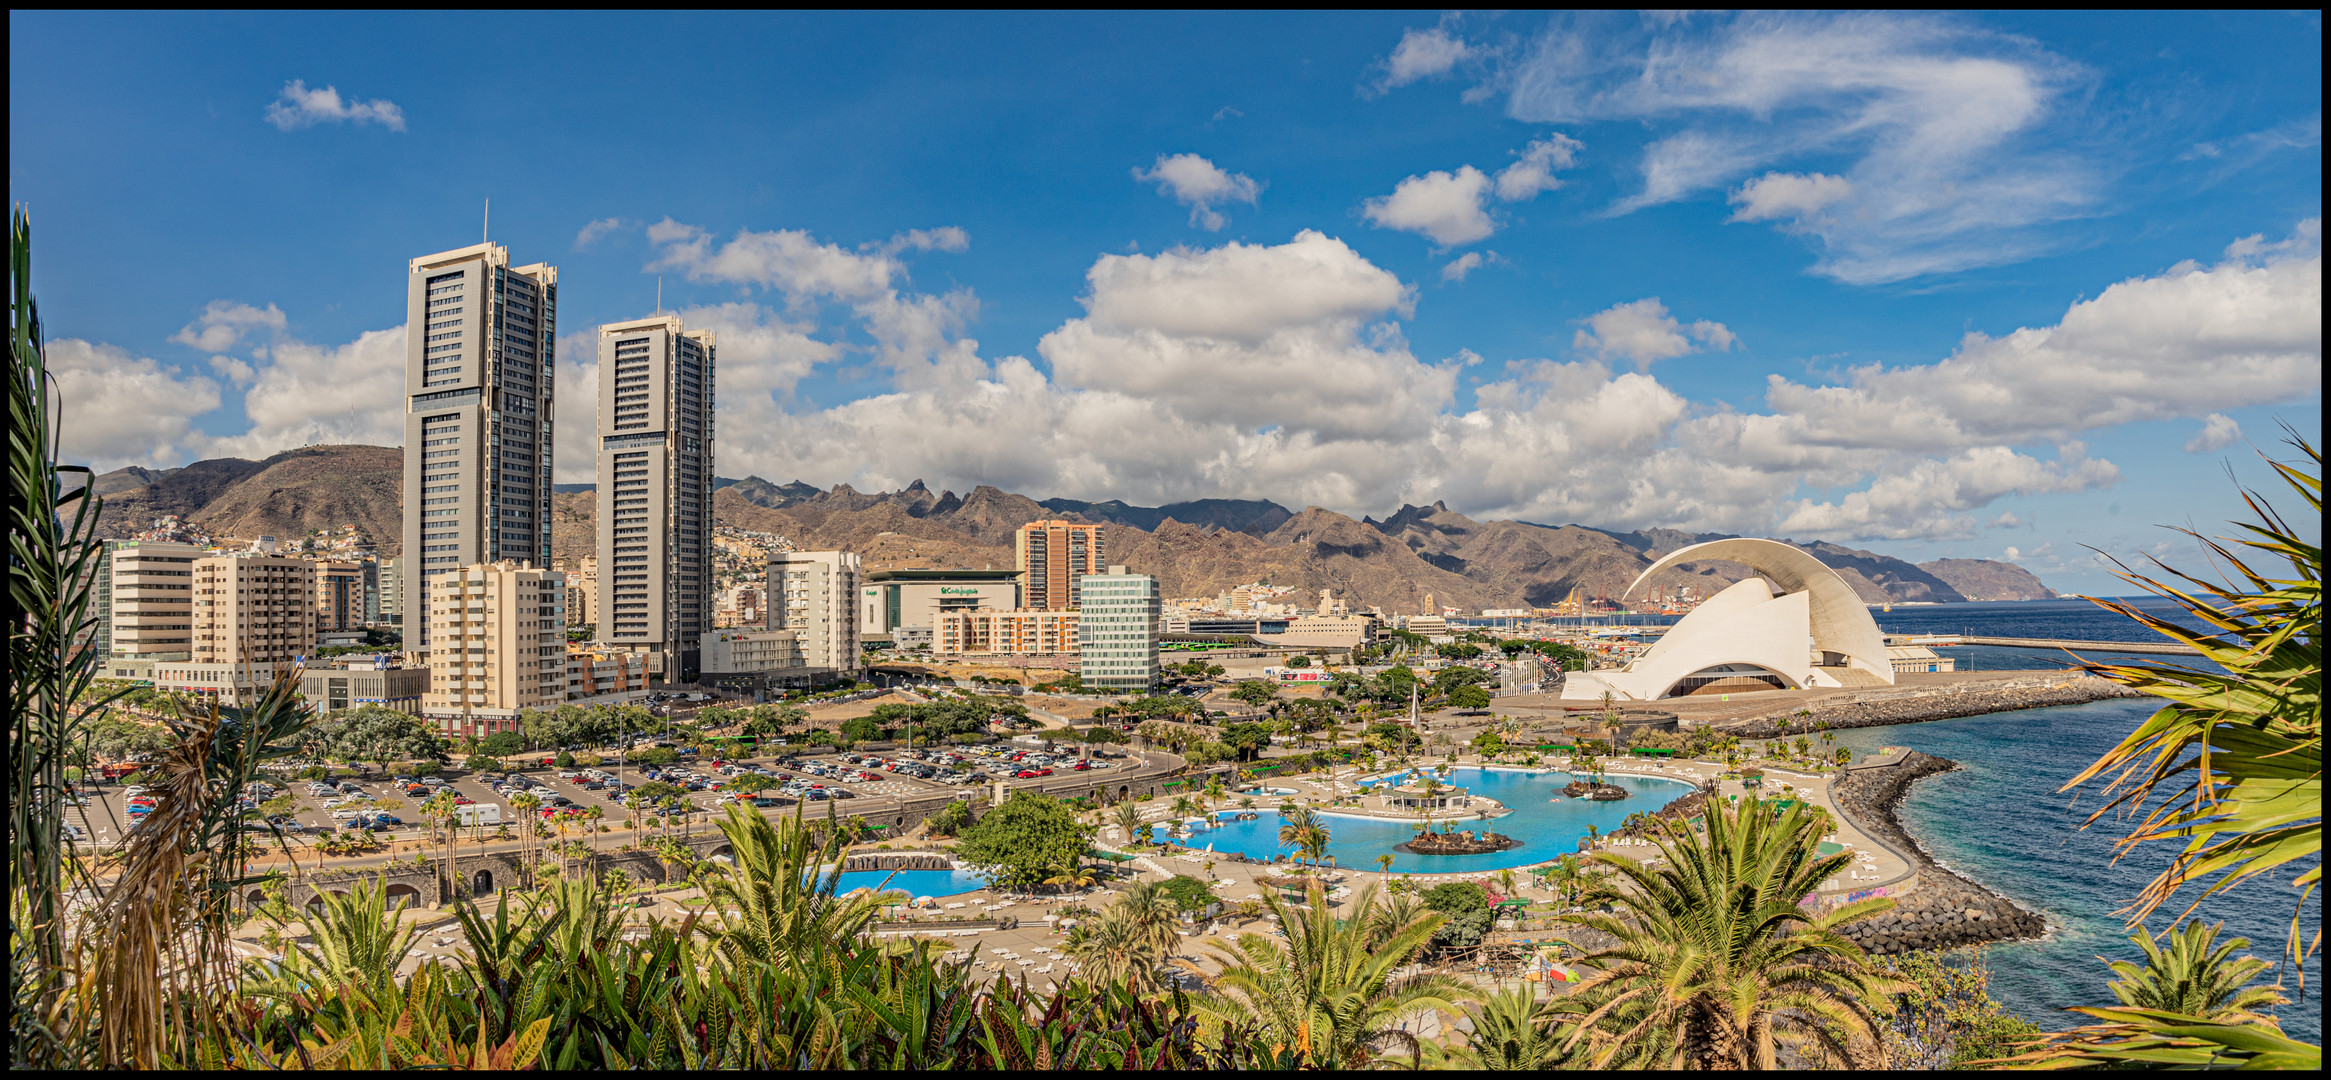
(1940, 909)
(1911, 705)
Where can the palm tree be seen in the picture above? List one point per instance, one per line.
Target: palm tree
(783, 898)
(1071, 877)
(1184, 806)
(1150, 909)
(1127, 817)
(1714, 958)
(2192, 978)
(1327, 993)
(1510, 1032)
(1304, 831)
(592, 816)
(1114, 948)
(1384, 863)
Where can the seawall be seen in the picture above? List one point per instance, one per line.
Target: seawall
(1911, 705)
(1940, 909)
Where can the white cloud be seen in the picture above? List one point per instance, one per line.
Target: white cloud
(223, 323)
(591, 233)
(788, 260)
(1424, 54)
(1534, 173)
(116, 409)
(1789, 195)
(1461, 266)
(1643, 332)
(1440, 205)
(300, 107)
(301, 393)
(1929, 498)
(1961, 144)
(2218, 432)
(1200, 185)
(2005, 520)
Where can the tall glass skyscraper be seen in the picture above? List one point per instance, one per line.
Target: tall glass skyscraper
(655, 491)
(479, 337)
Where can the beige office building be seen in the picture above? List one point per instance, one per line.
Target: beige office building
(655, 490)
(339, 595)
(815, 594)
(1053, 557)
(479, 352)
(151, 603)
(1020, 633)
(498, 646)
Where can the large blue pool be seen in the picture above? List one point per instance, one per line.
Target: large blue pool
(1546, 826)
(911, 882)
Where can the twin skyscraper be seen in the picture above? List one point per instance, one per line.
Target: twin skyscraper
(480, 351)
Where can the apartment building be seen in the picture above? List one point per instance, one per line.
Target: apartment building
(1117, 629)
(583, 591)
(655, 490)
(392, 593)
(479, 350)
(339, 586)
(815, 594)
(1052, 558)
(254, 618)
(151, 600)
(497, 635)
(605, 675)
(1020, 633)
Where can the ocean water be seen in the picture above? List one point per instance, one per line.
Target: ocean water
(2000, 820)
(1547, 826)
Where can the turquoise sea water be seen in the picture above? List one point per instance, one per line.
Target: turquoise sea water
(1999, 820)
(1547, 827)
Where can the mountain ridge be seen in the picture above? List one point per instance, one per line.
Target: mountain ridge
(1197, 548)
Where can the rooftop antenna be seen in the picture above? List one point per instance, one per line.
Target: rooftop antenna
(486, 231)
(659, 294)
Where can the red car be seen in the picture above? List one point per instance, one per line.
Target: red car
(1026, 774)
(464, 800)
(1044, 772)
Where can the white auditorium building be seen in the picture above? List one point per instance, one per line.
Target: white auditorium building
(1794, 625)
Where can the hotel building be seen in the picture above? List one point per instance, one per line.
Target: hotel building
(479, 347)
(498, 646)
(655, 491)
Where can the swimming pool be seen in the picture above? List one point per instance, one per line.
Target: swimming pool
(911, 882)
(1547, 828)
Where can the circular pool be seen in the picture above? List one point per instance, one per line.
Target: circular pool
(1547, 826)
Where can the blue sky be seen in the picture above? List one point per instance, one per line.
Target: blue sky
(1995, 286)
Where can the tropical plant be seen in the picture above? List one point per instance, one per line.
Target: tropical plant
(783, 900)
(1327, 992)
(1510, 1032)
(2236, 756)
(2194, 975)
(1714, 959)
(355, 940)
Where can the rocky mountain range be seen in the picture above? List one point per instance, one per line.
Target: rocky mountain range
(1199, 548)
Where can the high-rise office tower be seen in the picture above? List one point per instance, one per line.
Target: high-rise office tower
(815, 593)
(479, 337)
(1117, 630)
(1052, 557)
(655, 490)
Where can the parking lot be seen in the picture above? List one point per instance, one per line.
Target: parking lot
(392, 804)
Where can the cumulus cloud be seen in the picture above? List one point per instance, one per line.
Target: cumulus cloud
(224, 323)
(1461, 266)
(118, 409)
(1200, 185)
(1424, 54)
(2218, 432)
(300, 107)
(1962, 144)
(1929, 498)
(1794, 196)
(1443, 206)
(302, 393)
(1643, 332)
(1534, 173)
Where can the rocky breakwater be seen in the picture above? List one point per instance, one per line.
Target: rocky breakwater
(1937, 909)
(1912, 705)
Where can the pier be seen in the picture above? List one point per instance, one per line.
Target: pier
(2168, 648)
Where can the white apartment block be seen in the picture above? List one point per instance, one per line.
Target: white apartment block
(479, 353)
(254, 617)
(655, 490)
(749, 652)
(815, 594)
(151, 601)
(1117, 630)
(498, 646)
(1019, 633)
